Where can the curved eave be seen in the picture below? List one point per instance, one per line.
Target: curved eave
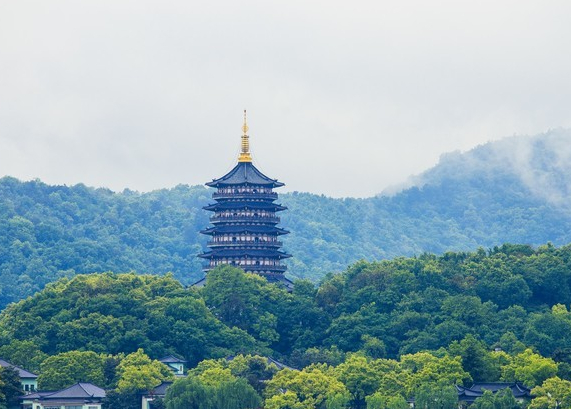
(244, 173)
(245, 205)
(244, 229)
(245, 252)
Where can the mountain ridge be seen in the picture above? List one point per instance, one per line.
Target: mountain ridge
(470, 200)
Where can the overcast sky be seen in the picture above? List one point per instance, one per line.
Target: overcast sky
(344, 98)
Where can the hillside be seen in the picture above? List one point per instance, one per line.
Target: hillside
(516, 190)
(390, 328)
(405, 305)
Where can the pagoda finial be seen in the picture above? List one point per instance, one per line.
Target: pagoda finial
(245, 153)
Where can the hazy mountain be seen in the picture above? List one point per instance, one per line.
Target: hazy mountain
(541, 164)
(516, 190)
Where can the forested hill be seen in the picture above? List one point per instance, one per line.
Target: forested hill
(516, 190)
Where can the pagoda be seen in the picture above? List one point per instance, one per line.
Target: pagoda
(245, 232)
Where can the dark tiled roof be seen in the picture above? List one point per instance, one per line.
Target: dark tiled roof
(281, 280)
(21, 372)
(200, 283)
(245, 205)
(477, 389)
(278, 363)
(245, 229)
(36, 395)
(242, 173)
(159, 390)
(79, 390)
(269, 360)
(172, 360)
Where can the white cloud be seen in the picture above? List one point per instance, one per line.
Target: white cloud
(344, 98)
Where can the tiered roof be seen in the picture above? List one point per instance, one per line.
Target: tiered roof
(244, 173)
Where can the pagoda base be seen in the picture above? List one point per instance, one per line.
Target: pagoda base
(272, 278)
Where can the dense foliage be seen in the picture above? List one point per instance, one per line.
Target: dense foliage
(511, 297)
(10, 388)
(370, 337)
(480, 198)
(118, 313)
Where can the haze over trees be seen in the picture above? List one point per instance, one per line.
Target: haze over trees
(516, 190)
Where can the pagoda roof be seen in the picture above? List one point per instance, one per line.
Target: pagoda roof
(244, 173)
(230, 205)
(244, 252)
(244, 229)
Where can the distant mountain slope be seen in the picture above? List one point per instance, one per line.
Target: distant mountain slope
(541, 164)
(516, 190)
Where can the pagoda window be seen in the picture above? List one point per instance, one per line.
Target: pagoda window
(233, 238)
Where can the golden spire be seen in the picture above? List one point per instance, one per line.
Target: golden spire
(245, 153)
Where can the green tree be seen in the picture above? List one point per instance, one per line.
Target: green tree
(476, 359)
(23, 353)
(10, 387)
(436, 396)
(503, 399)
(379, 401)
(122, 400)
(243, 300)
(214, 388)
(427, 369)
(137, 372)
(360, 378)
(553, 393)
(2, 394)
(190, 393)
(254, 368)
(529, 368)
(312, 388)
(65, 369)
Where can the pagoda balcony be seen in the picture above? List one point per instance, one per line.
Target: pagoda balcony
(245, 219)
(245, 195)
(279, 268)
(241, 243)
(253, 268)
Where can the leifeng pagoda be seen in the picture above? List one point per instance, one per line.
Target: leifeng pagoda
(245, 232)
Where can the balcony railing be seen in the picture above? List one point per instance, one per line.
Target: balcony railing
(245, 219)
(255, 268)
(220, 243)
(245, 195)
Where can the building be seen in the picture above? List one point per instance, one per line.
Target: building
(78, 396)
(245, 232)
(175, 364)
(467, 396)
(158, 392)
(28, 379)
